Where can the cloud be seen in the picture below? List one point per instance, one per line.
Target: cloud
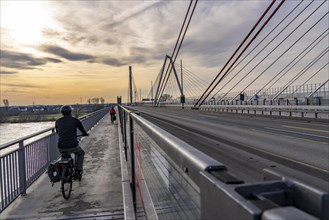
(53, 60)
(137, 55)
(115, 31)
(7, 72)
(21, 61)
(64, 53)
(19, 85)
(112, 62)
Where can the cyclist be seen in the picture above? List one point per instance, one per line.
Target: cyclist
(112, 113)
(66, 128)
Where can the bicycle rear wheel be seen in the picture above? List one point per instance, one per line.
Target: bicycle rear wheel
(66, 184)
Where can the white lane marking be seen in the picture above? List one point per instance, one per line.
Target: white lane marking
(300, 133)
(306, 129)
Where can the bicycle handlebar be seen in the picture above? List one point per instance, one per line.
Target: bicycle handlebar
(82, 135)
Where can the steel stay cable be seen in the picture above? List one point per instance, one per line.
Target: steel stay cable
(244, 40)
(179, 36)
(198, 88)
(175, 56)
(171, 64)
(322, 85)
(161, 77)
(196, 80)
(323, 53)
(262, 27)
(191, 82)
(155, 83)
(301, 72)
(315, 60)
(192, 79)
(170, 90)
(244, 51)
(264, 46)
(196, 76)
(135, 89)
(266, 36)
(311, 77)
(292, 62)
(278, 46)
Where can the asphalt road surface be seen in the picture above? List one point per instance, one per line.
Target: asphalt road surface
(248, 144)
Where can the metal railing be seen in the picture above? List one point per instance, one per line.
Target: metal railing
(308, 112)
(170, 179)
(320, 113)
(24, 160)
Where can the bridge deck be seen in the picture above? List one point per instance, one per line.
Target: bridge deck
(99, 194)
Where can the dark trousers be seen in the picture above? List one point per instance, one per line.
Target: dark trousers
(78, 152)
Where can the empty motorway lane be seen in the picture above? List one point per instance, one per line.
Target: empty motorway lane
(248, 144)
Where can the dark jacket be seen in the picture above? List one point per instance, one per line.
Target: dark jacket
(66, 128)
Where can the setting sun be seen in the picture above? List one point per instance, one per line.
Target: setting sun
(25, 20)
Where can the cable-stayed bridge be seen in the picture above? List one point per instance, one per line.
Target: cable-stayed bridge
(179, 163)
(282, 57)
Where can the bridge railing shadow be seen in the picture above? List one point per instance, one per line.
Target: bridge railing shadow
(170, 179)
(24, 160)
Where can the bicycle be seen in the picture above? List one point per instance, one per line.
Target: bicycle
(67, 167)
(63, 170)
(113, 118)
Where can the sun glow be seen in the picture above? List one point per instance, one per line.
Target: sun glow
(25, 20)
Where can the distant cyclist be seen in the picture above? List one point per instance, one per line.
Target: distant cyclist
(112, 113)
(66, 128)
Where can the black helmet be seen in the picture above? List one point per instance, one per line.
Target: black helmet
(66, 110)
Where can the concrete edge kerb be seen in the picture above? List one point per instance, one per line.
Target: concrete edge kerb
(128, 205)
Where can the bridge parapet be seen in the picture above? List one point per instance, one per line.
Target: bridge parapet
(179, 181)
(293, 111)
(278, 197)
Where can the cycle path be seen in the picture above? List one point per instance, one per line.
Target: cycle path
(98, 195)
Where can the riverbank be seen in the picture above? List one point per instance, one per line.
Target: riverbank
(29, 118)
(33, 118)
(42, 113)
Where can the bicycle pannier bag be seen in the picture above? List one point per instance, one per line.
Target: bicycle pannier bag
(54, 172)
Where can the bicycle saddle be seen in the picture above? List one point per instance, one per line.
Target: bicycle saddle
(65, 160)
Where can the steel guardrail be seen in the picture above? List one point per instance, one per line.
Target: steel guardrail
(221, 195)
(190, 160)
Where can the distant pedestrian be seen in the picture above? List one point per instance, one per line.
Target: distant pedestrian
(112, 113)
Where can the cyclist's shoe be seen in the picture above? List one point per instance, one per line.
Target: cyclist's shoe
(77, 175)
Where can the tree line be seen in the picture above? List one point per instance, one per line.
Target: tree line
(96, 101)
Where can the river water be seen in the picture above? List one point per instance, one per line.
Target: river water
(14, 131)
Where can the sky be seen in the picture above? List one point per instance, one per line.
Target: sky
(65, 52)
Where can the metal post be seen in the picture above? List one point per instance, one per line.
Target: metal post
(132, 155)
(152, 100)
(22, 169)
(1, 188)
(125, 133)
(130, 86)
(119, 100)
(181, 71)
